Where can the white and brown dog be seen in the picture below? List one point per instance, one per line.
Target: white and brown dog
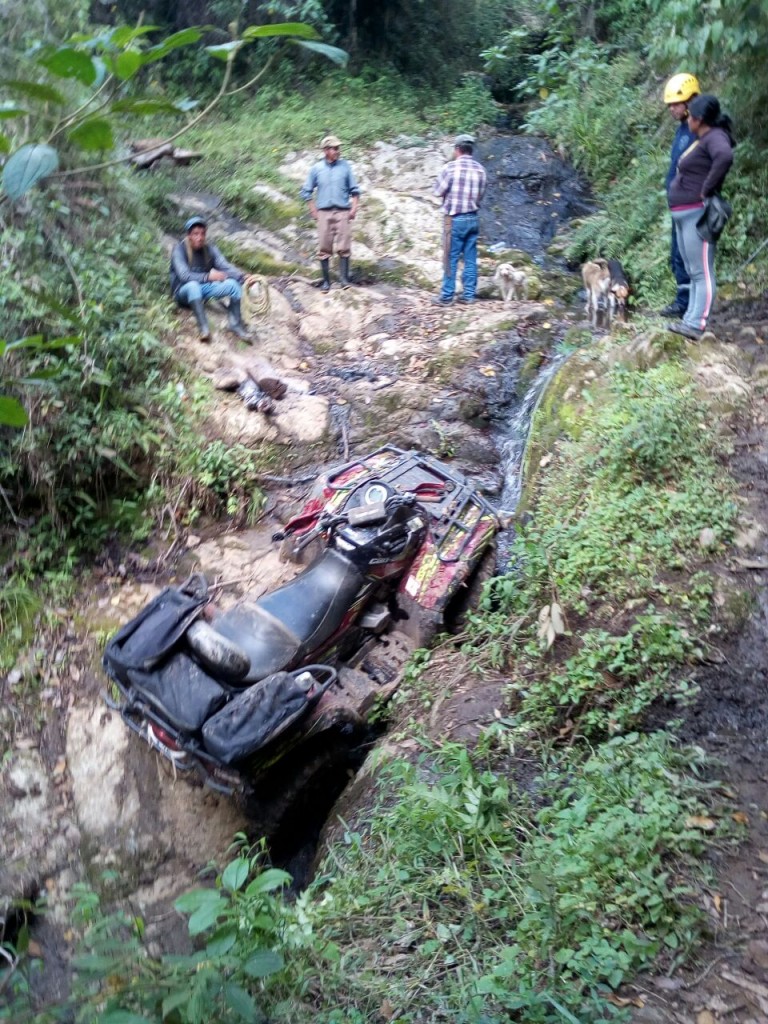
(597, 282)
(511, 282)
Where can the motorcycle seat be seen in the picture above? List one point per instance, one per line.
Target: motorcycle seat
(280, 629)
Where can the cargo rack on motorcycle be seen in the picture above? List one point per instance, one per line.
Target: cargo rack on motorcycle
(407, 475)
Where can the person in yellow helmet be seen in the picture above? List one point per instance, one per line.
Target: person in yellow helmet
(678, 91)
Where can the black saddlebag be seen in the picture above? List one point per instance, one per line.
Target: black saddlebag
(180, 692)
(148, 638)
(257, 715)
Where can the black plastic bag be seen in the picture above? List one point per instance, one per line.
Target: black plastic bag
(715, 216)
(258, 715)
(181, 692)
(147, 639)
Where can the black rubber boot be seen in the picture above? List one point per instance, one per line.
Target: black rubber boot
(325, 266)
(344, 271)
(198, 308)
(235, 323)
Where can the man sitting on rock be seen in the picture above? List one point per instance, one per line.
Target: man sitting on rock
(199, 272)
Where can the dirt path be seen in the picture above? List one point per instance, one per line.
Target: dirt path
(729, 979)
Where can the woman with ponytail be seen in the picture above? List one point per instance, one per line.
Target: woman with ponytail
(701, 171)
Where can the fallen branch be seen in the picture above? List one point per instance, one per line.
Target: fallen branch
(758, 990)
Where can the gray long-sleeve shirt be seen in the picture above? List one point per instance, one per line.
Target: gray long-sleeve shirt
(184, 269)
(335, 183)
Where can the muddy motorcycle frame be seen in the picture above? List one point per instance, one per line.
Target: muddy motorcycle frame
(393, 538)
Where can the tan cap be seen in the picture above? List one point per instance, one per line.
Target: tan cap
(464, 140)
(330, 140)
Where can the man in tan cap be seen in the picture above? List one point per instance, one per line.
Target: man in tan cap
(334, 208)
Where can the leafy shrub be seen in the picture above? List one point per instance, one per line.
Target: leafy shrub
(618, 516)
(503, 906)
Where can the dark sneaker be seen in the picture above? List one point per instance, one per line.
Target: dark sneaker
(466, 302)
(672, 310)
(438, 300)
(687, 332)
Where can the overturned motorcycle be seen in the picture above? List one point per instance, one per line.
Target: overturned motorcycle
(393, 538)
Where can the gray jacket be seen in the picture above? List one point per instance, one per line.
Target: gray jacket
(188, 264)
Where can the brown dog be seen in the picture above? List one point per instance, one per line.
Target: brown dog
(597, 281)
(511, 282)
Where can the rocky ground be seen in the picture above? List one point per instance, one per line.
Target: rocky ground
(370, 365)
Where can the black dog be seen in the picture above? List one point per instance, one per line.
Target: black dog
(619, 289)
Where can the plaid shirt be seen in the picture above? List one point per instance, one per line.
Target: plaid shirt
(462, 185)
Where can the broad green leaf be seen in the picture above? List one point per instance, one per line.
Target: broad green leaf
(241, 1002)
(35, 91)
(141, 105)
(26, 167)
(31, 379)
(186, 37)
(125, 35)
(96, 133)
(287, 28)
(5, 143)
(39, 341)
(333, 53)
(222, 941)
(195, 899)
(205, 917)
(10, 110)
(12, 413)
(235, 874)
(70, 63)
(126, 64)
(31, 341)
(263, 963)
(225, 51)
(173, 1001)
(267, 881)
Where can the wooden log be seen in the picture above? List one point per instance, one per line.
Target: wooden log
(144, 145)
(183, 157)
(144, 160)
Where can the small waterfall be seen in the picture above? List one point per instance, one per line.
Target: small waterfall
(513, 442)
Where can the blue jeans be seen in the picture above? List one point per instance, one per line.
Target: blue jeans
(677, 263)
(192, 291)
(460, 239)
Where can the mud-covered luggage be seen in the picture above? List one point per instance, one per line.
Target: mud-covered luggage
(148, 639)
(259, 714)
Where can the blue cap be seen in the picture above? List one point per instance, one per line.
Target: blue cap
(195, 222)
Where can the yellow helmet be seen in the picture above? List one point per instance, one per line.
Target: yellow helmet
(680, 88)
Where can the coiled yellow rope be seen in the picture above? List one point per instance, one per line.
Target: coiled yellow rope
(255, 302)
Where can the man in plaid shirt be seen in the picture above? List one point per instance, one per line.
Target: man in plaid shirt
(461, 185)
